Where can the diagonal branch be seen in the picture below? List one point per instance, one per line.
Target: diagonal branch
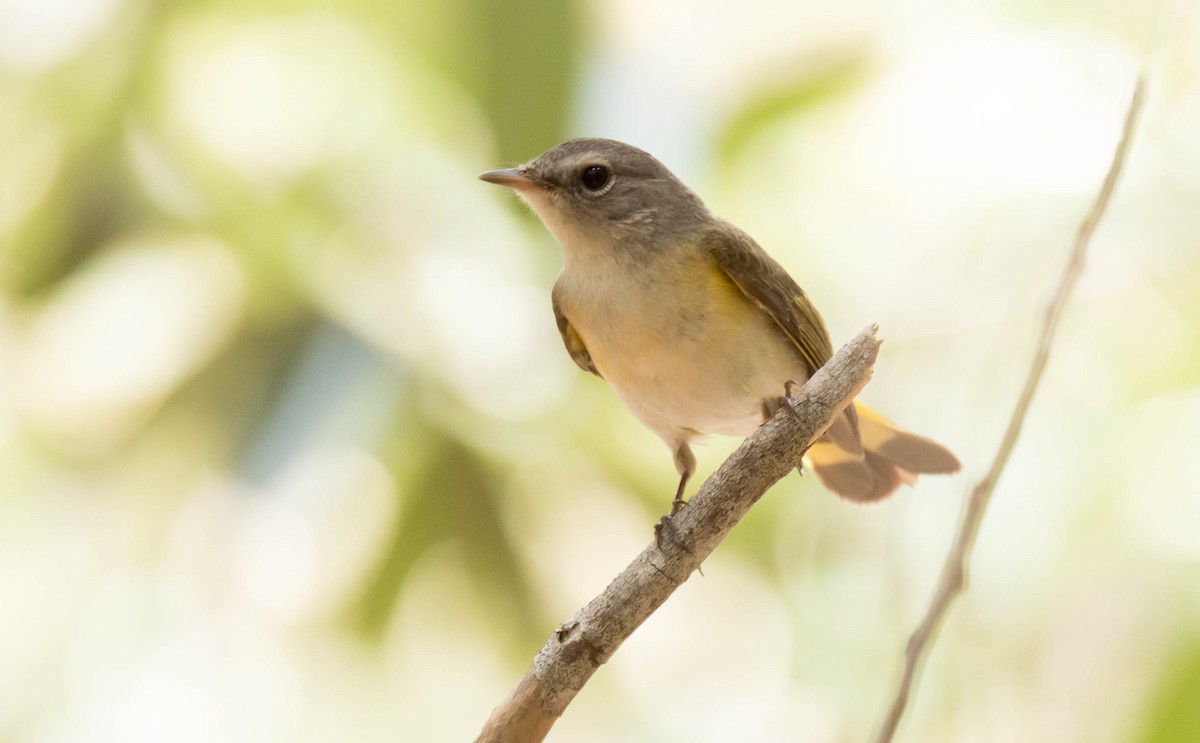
(577, 648)
(953, 579)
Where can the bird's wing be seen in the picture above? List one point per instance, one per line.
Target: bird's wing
(771, 289)
(572, 339)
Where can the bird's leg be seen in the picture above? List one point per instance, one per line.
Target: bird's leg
(665, 524)
(787, 396)
(771, 407)
(679, 502)
(685, 462)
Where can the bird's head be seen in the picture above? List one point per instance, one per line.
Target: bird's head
(600, 194)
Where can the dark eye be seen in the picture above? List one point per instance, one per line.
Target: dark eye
(595, 177)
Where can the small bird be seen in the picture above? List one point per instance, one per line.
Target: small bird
(693, 325)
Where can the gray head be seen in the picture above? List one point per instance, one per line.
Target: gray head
(597, 192)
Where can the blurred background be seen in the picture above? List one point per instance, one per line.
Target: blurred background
(290, 449)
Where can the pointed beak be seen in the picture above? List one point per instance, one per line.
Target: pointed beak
(510, 177)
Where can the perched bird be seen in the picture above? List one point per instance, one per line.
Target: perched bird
(693, 325)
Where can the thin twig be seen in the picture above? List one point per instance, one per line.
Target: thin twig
(953, 578)
(577, 648)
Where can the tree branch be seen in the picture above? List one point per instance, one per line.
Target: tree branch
(953, 578)
(577, 648)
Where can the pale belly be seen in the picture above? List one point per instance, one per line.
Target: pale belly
(685, 362)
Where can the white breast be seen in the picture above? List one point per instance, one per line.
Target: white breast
(682, 347)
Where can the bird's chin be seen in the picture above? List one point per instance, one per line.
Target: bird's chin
(542, 205)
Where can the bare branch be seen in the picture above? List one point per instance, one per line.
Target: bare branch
(953, 579)
(577, 648)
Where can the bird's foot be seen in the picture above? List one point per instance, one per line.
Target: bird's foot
(677, 504)
(773, 405)
(787, 397)
(666, 530)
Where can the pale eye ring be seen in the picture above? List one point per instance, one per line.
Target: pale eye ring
(595, 177)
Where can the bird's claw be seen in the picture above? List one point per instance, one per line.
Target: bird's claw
(786, 400)
(665, 529)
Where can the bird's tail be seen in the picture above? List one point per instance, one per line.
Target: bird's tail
(864, 457)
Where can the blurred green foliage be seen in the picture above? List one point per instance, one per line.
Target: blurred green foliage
(816, 86)
(1172, 716)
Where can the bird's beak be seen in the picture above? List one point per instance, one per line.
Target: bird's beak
(510, 177)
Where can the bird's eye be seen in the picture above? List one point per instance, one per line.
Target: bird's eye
(595, 177)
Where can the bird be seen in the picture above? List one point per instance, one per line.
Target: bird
(694, 326)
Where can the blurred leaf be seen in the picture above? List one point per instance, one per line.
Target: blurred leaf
(93, 197)
(518, 58)
(453, 495)
(1173, 714)
(86, 210)
(532, 51)
(812, 87)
